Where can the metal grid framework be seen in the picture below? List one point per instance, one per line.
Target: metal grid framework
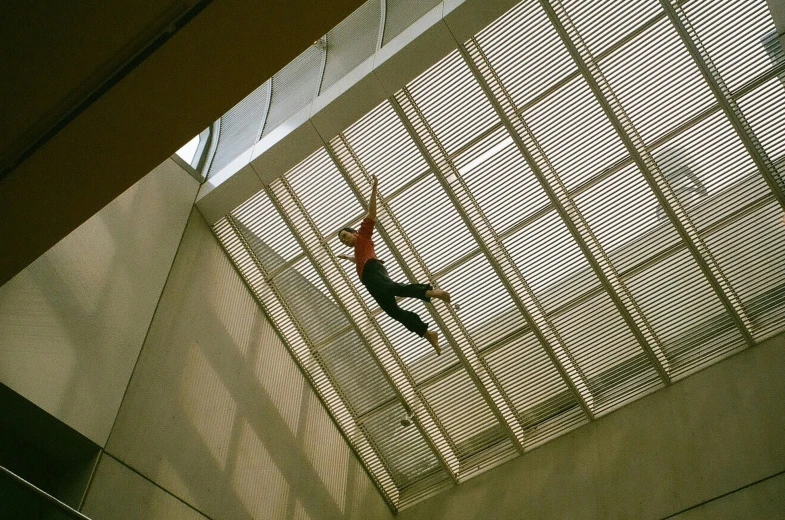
(605, 205)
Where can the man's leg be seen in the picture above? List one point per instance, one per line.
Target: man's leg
(419, 290)
(408, 319)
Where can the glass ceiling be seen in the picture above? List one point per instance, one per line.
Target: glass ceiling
(599, 185)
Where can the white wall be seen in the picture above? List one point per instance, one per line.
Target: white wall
(709, 447)
(73, 322)
(218, 415)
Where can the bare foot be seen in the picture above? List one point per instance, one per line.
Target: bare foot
(440, 294)
(433, 339)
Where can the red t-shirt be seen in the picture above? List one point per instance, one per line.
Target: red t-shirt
(363, 245)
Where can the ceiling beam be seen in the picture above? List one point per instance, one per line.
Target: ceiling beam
(192, 78)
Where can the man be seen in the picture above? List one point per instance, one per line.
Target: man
(374, 277)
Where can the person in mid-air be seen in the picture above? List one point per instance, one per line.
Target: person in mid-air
(374, 277)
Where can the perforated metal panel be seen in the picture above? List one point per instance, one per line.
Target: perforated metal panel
(400, 14)
(240, 128)
(351, 42)
(599, 184)
(294, 87)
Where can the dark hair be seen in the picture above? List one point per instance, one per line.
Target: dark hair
(350, 230)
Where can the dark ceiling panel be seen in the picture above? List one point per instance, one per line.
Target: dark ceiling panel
(226, 51)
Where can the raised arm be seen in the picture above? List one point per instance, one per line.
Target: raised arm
(372, 202)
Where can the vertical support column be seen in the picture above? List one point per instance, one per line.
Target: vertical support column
(632, 140)
(448, 321)
(325, 262)
(723, 96)
(565, 206)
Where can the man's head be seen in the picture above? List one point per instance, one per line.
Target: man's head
(347, 235)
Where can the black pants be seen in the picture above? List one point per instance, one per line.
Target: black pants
(384, 291)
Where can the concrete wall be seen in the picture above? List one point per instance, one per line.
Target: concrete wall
(121, 494)
(217, 419)
(777, 8)
(711, 446)
(73, 322)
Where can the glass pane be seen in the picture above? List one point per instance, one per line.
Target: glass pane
(573, 131)
(551, 262)
(499, 178)
(526, 52)
(383, 147)
(486, 308)
(464, 414)
(604, 22)
(323, 192)
(736, 36)
(656, 81)
(452, 102)
(684, 312)
(432, 224)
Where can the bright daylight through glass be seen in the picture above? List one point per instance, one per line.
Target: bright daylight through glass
(600, 187)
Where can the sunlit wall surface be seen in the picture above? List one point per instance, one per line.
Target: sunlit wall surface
(600, 186)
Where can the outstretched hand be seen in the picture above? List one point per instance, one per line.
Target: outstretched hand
(372, 201)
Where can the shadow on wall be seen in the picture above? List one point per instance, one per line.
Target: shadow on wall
(73, 322)
(218, 414)
(94, 263)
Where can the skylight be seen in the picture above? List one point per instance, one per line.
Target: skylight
(188, 150)
(604, 204)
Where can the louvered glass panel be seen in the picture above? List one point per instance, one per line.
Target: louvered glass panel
(356, 374)
(710, 171)
(734, 34)
(298, 345)
(294, 87)
(684, 313)
(551, 262)
(261, 219)
(574, 133)
(264, 254)
(432, 224)
(546, 406)
(624, 216)
(751, 253)
(486, 308)
(656, 81)
(602, 23)
(422, 489)
(464, 414)
(327, 198)
(350, 42)
(764, 112)
(384, 148)
(500, 180)
(402, 13)
(452, 102)
(525, 52)
(671, 303)
(402, 447)
(310, 302)
(417, 354)
(612, 364)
